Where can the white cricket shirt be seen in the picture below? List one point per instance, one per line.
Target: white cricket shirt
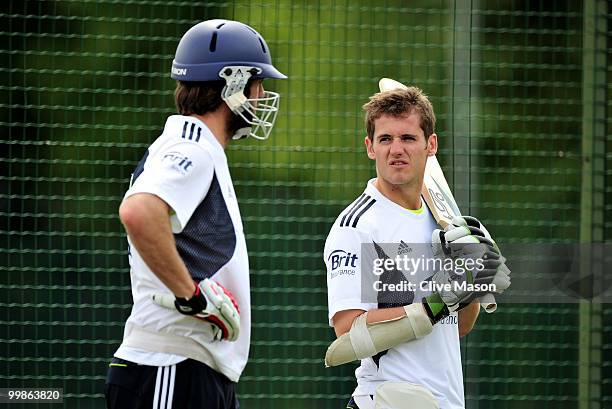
(433, 361)
(187, 168)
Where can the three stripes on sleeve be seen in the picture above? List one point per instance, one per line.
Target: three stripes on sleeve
(359, 207)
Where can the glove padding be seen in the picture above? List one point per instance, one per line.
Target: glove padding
(213, 303)
(471, 248)
(501, 278)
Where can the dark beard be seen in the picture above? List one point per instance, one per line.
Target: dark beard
(235, 123)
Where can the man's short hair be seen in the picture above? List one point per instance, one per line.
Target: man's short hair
(397, 103)
(198, 98)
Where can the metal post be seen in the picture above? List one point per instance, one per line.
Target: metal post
(592, 194)
(464, 103)
(463, 108)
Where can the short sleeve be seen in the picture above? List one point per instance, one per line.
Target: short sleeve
(180, 175)
(343, 260)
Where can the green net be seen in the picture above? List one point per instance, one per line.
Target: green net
(520, 91)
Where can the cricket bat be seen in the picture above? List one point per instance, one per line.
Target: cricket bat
(437, 194)
(167, 301)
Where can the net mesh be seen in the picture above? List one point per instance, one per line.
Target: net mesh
(86, 89)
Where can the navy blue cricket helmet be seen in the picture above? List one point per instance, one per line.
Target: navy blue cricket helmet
(232, 51)
(206, 48)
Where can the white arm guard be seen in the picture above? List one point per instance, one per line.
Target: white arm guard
(365, 340)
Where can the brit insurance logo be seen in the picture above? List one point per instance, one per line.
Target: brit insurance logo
(178, 162)
(341, 262)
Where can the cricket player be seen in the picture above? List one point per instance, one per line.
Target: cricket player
(407, 339)
(185, 234)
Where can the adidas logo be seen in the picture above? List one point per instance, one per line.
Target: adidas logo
(403, 248)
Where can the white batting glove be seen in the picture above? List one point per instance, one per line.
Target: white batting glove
(502, 273)
(464, 236)
(468, 243)
(210, 302)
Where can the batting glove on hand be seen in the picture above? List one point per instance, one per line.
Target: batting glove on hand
(213, 303)
(465, 237)
(477, 261)
(501, 276)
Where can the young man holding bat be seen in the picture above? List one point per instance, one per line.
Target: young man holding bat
(407, 333)
(186, 341)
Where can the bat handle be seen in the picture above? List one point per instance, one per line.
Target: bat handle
(488, 303)
(165, 300)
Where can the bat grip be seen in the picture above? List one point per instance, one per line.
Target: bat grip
(165, 300)
(488, 303)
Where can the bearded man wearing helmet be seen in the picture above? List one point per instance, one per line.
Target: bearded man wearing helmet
(186, 341)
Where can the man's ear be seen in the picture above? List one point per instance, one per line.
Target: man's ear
(369, 148)
(432, 144)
